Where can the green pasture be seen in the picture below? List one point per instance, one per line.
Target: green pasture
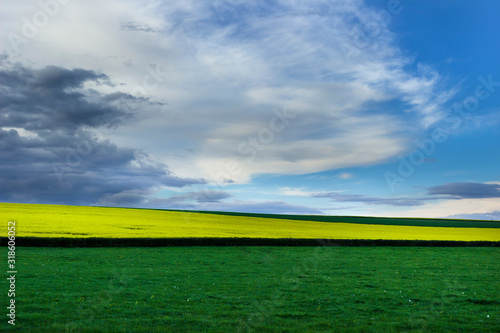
(419, 222)
(257, 289)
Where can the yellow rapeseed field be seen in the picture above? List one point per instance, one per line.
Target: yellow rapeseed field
(80, 221)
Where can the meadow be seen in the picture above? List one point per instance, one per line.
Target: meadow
(257, 289)
(52, 221)
(128, 288)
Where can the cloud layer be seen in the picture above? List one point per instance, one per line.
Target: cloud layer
(225, 67)
(343, 197)
(467, 190)
(114, 106)
(50, 152)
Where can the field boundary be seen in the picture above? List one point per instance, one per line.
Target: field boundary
(402, 221)
(406, 221)
(165, 242)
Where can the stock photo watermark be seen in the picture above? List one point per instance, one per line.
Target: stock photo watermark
(248, 150)
(460, 114)
(361, 38)
(75, 156)
(11, 272)
(31, 26)
(150, 81)
(292, 276)
(87, 311)
(265, 135)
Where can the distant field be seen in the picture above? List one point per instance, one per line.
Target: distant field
(85, 222)
(422, 222)
(247, 288)
(257, 289)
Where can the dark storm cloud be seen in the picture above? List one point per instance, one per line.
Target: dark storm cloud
(341, 197)
(52, 99)
(49, 151)
(467, 190)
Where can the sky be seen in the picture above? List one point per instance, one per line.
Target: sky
(371, 108)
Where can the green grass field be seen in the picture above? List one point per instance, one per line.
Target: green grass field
(249, 288)
(258, 289)
(421, 222)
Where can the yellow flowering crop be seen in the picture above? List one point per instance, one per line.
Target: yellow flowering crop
(80, 221)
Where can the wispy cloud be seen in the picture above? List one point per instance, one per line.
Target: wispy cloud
(494, 215)
(467, 190)
(346, 175)
(229, 64)
(207, 196)
(230, 90)
(190, 202)
(344, 197)
(135, 26)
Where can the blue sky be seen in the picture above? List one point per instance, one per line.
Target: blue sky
(379, 108)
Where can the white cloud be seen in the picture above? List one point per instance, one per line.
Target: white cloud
(346, 175)
(449, 208)
(224, 68)
(295, 192)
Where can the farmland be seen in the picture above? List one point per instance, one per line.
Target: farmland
(248, 288)
(52, 221)
(254, 289)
